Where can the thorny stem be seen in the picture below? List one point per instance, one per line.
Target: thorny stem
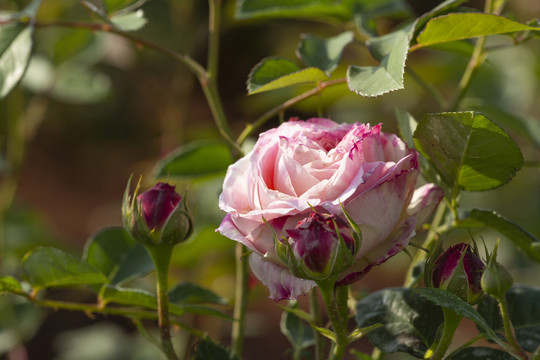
(250, 128)
(339, 324)
(101, 308)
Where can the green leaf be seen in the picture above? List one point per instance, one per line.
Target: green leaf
(47, 267)
(9, 284)
(409, 321)
(128, 296)
(187, 293)
(276, 73)
(116, 254)
(208, 349)
(468, 150)
(138, 297)
(523, 125)
(248, 9)
(519, 236)
(196, 159)
(480, 353)
(391, 50)
(461, 26)
(407, 125)
(299, 333)
(132, 21)
(122, 6)
(442, 8)
(323, 53)
(524, 309)
(448, 300)
(15, 48)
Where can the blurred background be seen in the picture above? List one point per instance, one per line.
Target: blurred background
(94, 108)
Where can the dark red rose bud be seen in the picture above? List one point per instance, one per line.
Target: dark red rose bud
(157, 216)
(157, 204)
(459, 270)
(317, 248)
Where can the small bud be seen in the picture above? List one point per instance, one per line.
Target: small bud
(157, 216)
(496, 280)
(459, 270)
(320, 246)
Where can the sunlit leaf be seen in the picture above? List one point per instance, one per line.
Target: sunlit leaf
(193, 160)
(276, 73)
(122, 6)
(391, 50)
(468, 150)
(246, 9)
(519, 236)
(114, 252)
(443, 8)
(132, 21)
(409, 321)
(9, 284)
(460, 26)
(524, 310)
(323, 53)
(15, 47)
(47, 267)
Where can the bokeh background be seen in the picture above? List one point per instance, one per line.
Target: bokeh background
(120, 108)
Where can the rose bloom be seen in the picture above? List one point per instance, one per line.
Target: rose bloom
(319, 164)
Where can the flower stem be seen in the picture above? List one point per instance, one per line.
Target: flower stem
(161, 256)
(509, 332)
(339, 323)
(317, 321)
(451, 322)
(240, 302)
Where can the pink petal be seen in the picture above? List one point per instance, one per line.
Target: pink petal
(279, 281)
(398, 240)
(424, 201)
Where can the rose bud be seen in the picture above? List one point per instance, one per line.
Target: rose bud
(319, 247)
(157, 216)
(459, 270)
(496, 280)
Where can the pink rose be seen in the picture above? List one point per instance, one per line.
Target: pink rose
(319, 164)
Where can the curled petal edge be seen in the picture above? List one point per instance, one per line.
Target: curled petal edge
(279, 281)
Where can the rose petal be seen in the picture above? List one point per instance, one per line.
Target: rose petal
(398, 240)
(279, 281)
(424, 201)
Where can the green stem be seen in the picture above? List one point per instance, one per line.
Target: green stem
(451, 322)
(475, 61)
(261, 120)
(317, 321)
(240, 302)
(161, 257)
(509, 332)
(339, 323)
